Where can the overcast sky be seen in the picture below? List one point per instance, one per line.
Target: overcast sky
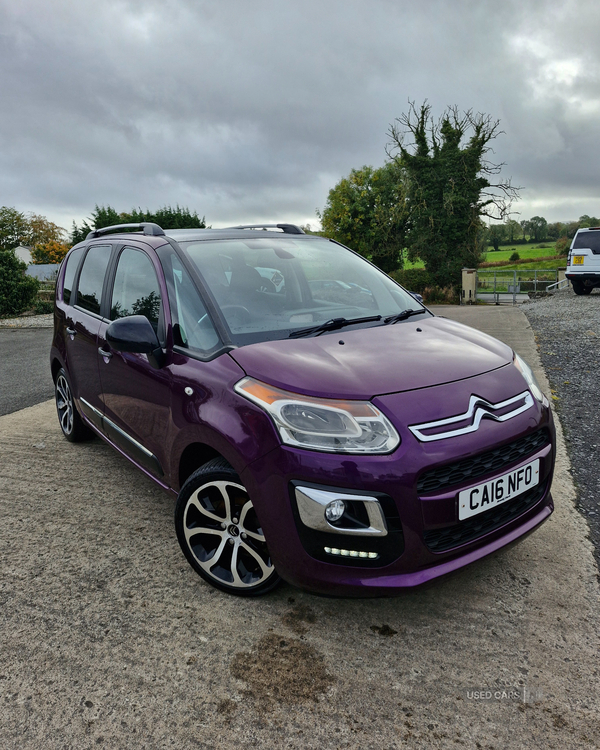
(251, 111)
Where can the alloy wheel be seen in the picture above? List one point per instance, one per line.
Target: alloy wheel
(224, 539)
(64, 404)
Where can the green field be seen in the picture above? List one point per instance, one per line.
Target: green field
(525, 251)
(540, 264)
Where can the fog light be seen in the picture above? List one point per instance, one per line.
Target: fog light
(335, 510)
(351, 553)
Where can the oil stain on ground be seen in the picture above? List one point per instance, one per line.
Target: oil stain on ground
(282, 670)
(296, 618)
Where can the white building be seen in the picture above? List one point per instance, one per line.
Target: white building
(24, 253)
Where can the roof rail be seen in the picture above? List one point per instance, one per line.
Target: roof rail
(286, 228)
(147, 226)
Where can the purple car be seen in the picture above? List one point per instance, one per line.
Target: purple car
(347, 441)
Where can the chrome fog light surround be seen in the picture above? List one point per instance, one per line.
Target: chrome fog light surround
(313, 505)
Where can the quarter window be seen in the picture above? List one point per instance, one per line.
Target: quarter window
(136, 290)
(91, 279)
(192, 327)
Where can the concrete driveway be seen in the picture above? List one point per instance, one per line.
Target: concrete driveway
(110, 640)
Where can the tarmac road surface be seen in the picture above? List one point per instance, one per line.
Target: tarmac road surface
(25, 377)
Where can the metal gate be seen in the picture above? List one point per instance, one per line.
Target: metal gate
(512, 286)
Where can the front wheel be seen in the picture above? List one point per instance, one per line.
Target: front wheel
(219, 532)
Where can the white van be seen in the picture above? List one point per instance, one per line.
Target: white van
(583, 264)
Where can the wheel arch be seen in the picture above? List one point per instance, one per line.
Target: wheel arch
(55, 367)
(193, 457)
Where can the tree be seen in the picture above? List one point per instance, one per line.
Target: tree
(166, 217)
(79, 233)
(42, 231)
(562, 246)
(49, 252)
(450, 185)
(14, 228)
(513, 230)
(496, 234)
(17, 228)
(537, 227)
(17, 291)
(555, 230)
(367, 211)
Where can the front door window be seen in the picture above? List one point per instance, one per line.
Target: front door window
(136, 290)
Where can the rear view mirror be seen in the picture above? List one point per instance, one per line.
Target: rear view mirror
(135, 333)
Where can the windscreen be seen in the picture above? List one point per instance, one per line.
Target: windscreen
(267, 288)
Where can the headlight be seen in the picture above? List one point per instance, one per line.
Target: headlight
(532, 383)
(323, 424)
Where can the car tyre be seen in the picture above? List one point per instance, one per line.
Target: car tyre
(219, 532)
(71, 423)
(580, 288)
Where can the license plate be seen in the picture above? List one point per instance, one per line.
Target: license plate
(497, 491)
(578, 260)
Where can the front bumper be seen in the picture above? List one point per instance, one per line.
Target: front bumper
(425, 538)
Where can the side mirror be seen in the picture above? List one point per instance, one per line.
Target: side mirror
(135, 333)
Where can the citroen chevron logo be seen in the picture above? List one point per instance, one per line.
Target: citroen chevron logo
(478, 409)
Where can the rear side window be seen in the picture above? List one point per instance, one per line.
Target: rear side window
(70, 272)
(587, 239)
(136, 290)
(91, 279)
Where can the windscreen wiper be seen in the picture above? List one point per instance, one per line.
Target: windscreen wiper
(402, 315)
(332, 325)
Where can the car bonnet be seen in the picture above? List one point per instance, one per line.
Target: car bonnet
(367, 362)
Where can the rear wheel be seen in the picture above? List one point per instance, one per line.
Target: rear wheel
(580, 288)
(220, 534)
(71, 424)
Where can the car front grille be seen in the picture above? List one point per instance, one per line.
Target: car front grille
(462, 472)
(442, 540)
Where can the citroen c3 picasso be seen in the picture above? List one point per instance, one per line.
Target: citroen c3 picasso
(312, 420)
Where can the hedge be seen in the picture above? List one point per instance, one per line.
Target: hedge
(413, 279)
(17, 291)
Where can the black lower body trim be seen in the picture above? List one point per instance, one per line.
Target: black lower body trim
(442, 540)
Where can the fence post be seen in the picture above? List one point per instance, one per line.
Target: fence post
(535, 282)
(495, 297)
(515, 287)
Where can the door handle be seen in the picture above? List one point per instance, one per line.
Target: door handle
(104, 353)
(71, 331)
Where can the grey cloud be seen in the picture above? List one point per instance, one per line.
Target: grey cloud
(248, 111)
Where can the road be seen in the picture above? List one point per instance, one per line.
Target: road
(24, 368)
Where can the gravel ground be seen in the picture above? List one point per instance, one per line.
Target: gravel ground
(567, 330)
(28, 321)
